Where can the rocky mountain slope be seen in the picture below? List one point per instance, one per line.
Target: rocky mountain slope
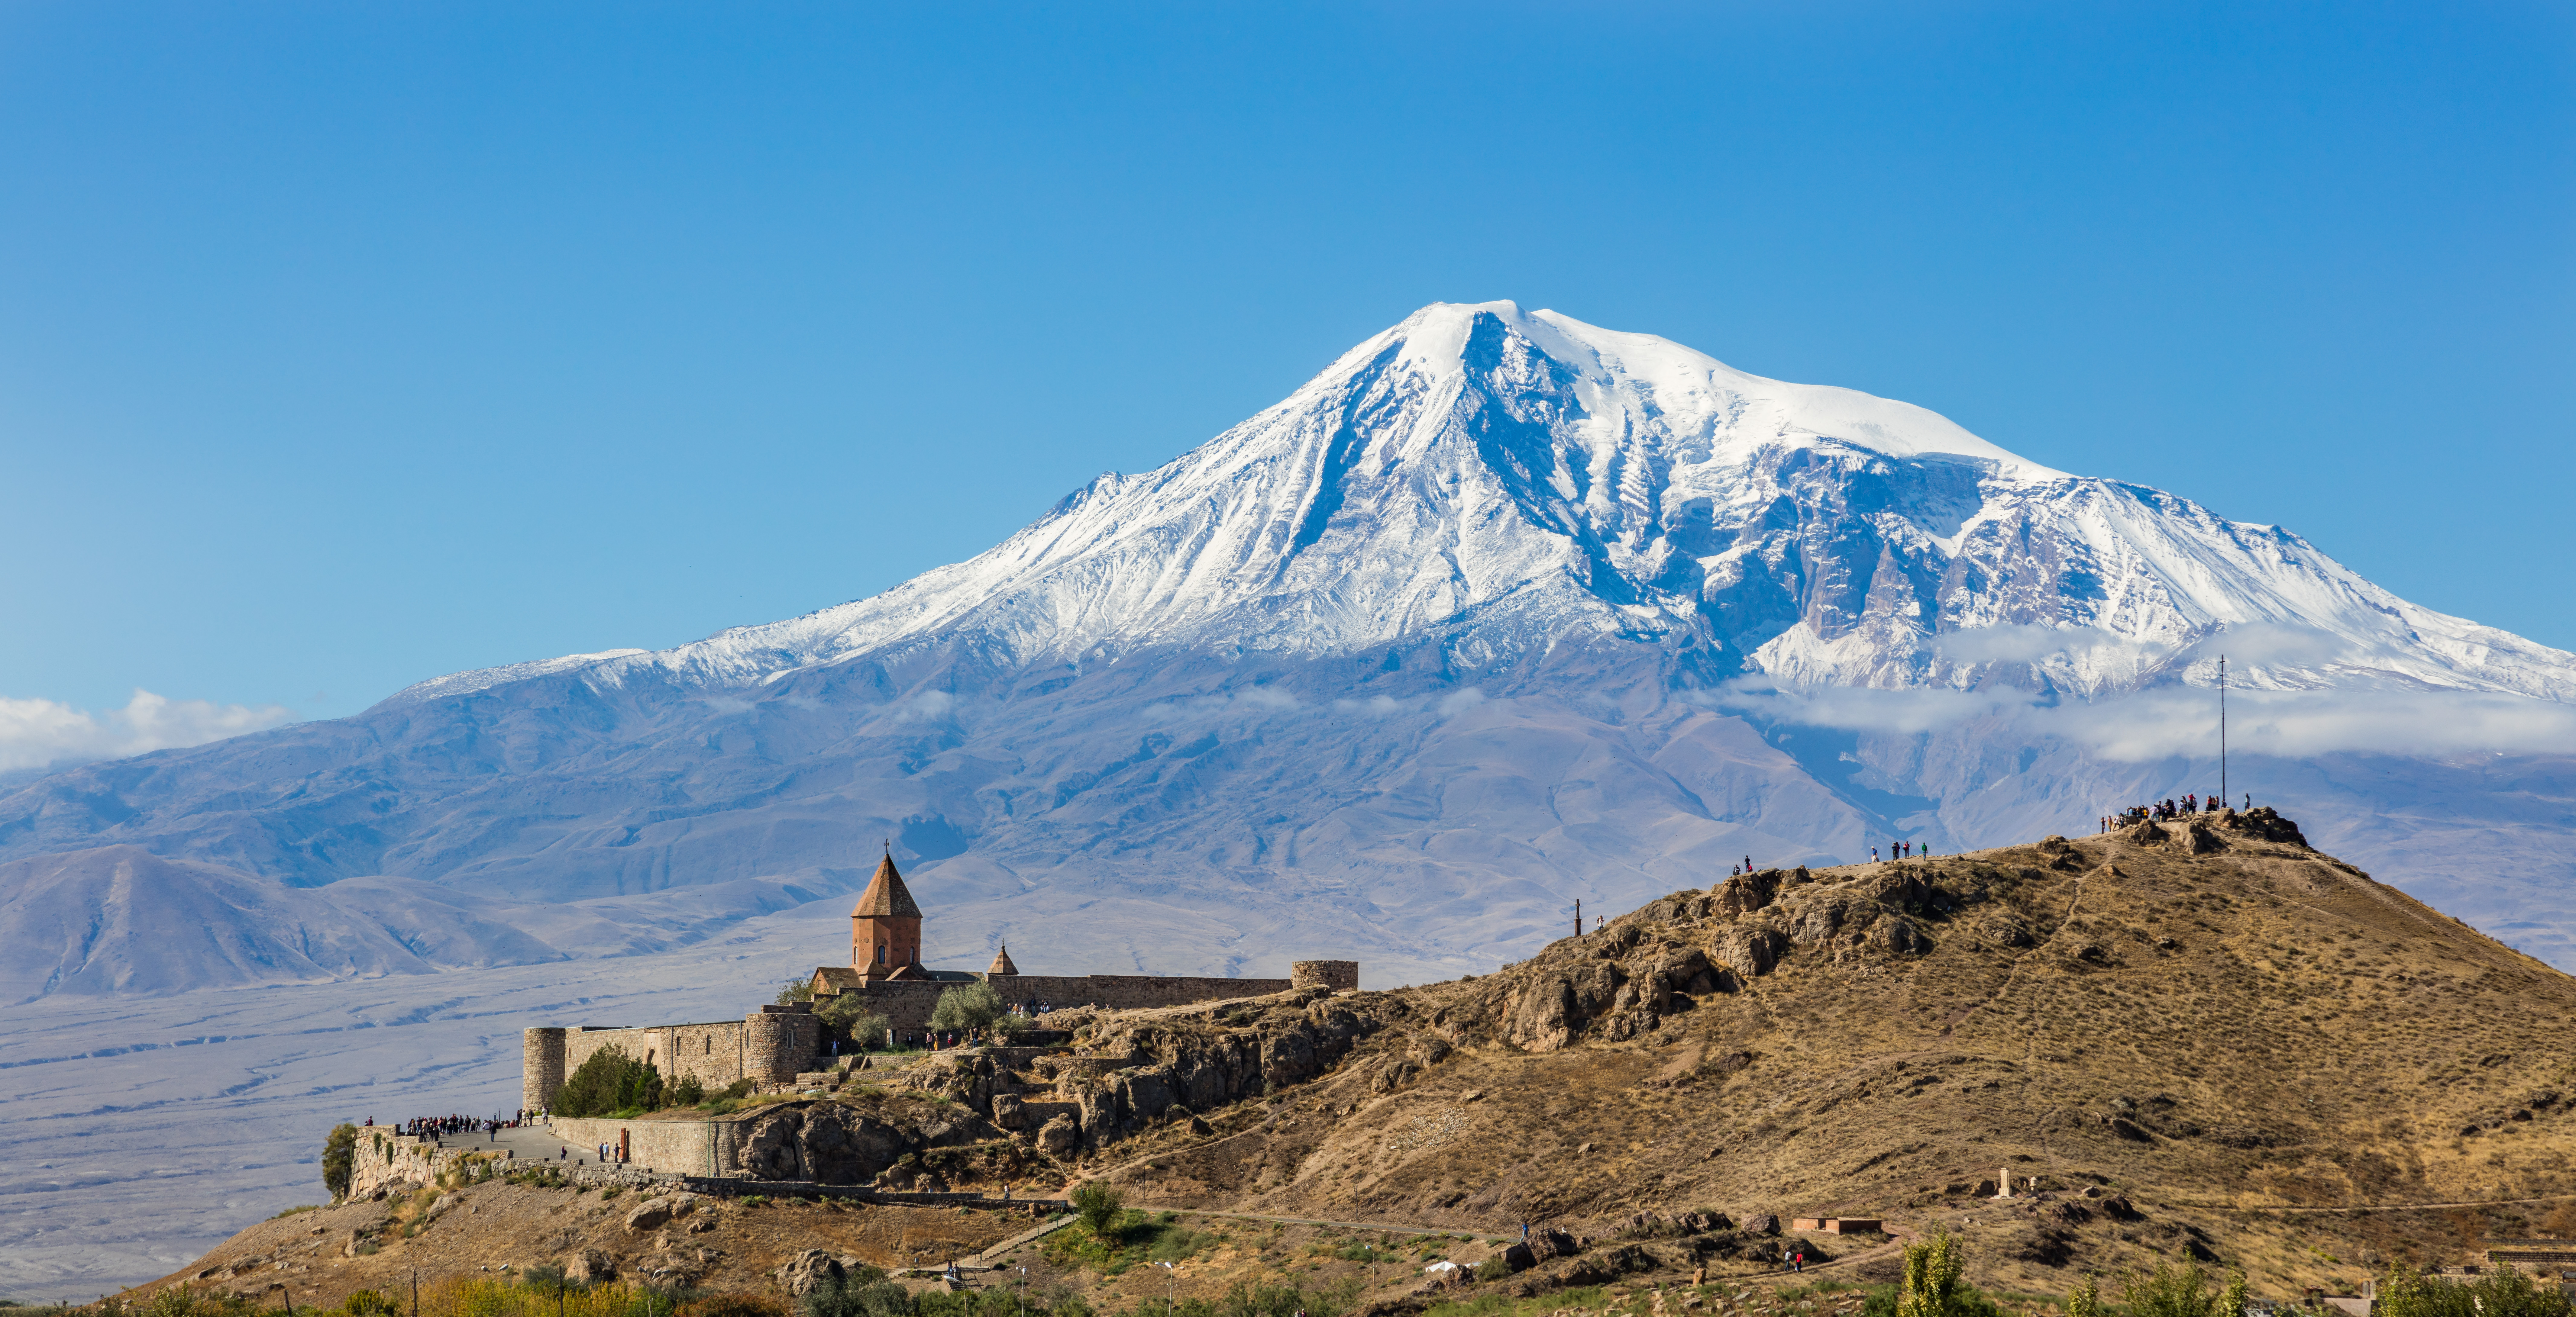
(1499, 611)
(2192, 1038)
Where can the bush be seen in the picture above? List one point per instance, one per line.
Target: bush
(864, 1293)
(1098, 1205)
(610, 1081)
(2183, 1291)
(2502, 1292)
(369, 1303)
(794, 991)
(339, 1159)
(1492, 1269)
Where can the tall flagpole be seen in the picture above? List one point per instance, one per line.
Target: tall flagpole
(2222, 729)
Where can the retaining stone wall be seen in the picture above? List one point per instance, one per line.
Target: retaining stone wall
(386, 1159)
(682, 1147)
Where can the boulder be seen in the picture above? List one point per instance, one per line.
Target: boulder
(1059, 1136)
(1009, 1111)
(651, 1214)
(1765, 1224)
(1545, 1244)
(808, 1271)
(590, 1267)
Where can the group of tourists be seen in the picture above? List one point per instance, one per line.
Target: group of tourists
(2165, 809)
(1898, 850)
(437, 1128)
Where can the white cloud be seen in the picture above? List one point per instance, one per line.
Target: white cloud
(40, 733)
(2183, 721)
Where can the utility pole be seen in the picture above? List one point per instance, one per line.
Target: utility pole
(2222, 729)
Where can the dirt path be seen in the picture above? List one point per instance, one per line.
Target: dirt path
(2372, 1207)
(1344, 1225)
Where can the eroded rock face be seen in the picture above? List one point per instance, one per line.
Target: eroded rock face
(829, 1143)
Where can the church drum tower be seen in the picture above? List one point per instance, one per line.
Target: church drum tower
(885, 929)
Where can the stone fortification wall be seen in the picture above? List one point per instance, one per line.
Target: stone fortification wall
(386, 1160)
(667, 1147)
(1336, 975)
(907, 1006)
(718, 1053)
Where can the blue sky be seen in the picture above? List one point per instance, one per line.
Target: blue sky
(346, 345)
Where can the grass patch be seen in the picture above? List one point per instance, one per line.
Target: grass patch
(1132, 1238)
(305, 1207)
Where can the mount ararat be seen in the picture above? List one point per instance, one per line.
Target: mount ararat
(1499, 611)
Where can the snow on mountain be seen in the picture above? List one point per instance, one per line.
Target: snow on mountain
(1507, 481)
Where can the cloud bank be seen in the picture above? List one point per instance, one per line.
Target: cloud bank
(45, 733)
(2183, 721)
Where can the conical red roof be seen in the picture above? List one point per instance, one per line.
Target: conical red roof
(886, 896)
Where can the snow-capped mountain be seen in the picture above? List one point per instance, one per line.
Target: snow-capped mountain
(1511, 481)
(1499, 610)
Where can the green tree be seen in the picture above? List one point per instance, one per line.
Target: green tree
(1098, 1205)
(1933, 1266)
(794, 991)
(2086, 1300)
(967, 1006)
(609, 1081)
(848, 1017)
(339, 1159)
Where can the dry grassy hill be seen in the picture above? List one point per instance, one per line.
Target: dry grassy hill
(2211, 1024)
(2199, 1039)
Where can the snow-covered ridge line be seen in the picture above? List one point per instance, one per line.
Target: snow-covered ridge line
(1501, 482)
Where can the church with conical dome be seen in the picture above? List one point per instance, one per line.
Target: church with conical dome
(887, 951)
(778, 1041)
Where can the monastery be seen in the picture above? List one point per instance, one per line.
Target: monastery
(774, 1043)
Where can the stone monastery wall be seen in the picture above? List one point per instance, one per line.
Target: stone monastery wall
(771, 1045)
(907, 1005)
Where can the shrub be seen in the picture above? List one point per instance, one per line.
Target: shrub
(369, 1303)
(689, 1092)
(794, 991)
(339, 1159)
(2183, 1291)
(1492, 1269)
(865, 1293)
(2502, 1292)
(1098, 1205)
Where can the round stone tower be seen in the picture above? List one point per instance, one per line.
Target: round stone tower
(541, 1066)
(778, 1042)
(1333, 974)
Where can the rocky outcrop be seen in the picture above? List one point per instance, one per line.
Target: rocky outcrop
(812, 1270)
(834, 1143)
